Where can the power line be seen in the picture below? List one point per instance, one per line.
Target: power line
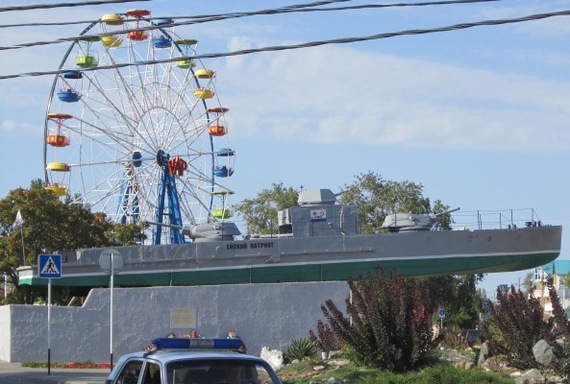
(219, 17)
(63, 5)
(288, 9)
(313, 43)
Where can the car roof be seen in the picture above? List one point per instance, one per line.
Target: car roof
(168, 355)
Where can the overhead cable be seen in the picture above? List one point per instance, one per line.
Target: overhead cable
(345, 40)
(308, 7)
(63, 5)
(204, 19)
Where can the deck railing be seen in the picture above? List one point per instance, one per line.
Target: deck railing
(495, 219)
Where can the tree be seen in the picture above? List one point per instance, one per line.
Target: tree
(51, 225)
(377, 198)
(260, 213)
(528, 281)
(458, 295)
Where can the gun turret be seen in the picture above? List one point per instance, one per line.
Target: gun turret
(400, 222)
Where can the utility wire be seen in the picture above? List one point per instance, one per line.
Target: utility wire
(63, 5)
(310, 44)
(210, 18)
(289, 9)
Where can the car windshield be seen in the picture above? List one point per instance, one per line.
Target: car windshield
(218, 371)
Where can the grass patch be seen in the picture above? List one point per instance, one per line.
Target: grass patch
(303, 373)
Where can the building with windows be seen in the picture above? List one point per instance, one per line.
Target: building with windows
(557, 269)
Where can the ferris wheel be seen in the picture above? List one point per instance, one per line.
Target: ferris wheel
(134, 128)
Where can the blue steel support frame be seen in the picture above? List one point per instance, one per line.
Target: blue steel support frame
(167, 190)
(124, 200)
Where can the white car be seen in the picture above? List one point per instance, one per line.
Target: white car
(192, 361)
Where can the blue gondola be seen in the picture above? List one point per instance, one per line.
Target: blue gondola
(73, 75)
(223, 171)
(68, 96)
(225, 152)
(161, 42)
(137, 159)
(164, 21)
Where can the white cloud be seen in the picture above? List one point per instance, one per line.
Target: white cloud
(337, 94)
(14, 127)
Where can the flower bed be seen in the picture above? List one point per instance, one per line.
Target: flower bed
(73, 365)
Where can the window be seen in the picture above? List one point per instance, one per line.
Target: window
(151, 373)
(130, 373)
(218, 371)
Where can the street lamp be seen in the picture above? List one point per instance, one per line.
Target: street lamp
(111, 262)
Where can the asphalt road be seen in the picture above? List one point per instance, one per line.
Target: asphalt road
(14, 373)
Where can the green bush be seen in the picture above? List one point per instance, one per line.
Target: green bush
(388, 325)
(300, 349)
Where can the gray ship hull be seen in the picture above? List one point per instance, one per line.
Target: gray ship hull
(323, 258)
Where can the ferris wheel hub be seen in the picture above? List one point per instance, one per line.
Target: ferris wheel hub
(162, 158)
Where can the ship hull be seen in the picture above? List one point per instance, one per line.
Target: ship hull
(330, 258)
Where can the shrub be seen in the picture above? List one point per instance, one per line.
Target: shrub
(325, 338)
(514, 325)
(388, 325)
(455, 338)
(300, 349)
(560, 329)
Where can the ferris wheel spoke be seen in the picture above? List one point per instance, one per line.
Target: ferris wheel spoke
(121, 119)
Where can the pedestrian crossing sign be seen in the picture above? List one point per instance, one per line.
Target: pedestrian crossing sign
(49, 266)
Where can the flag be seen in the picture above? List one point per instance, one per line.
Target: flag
(19, 220)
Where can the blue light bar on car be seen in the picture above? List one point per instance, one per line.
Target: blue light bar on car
(186, 343)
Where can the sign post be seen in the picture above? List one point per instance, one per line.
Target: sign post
(111, 262)
(49, 267)
(441, 314)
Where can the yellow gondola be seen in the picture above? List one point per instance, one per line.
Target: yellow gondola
(58, 166)
(57, 189)
(222, 192)
(111, 41)
(203, 93)
(204, 73)
(112, 19)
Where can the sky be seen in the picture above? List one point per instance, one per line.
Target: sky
(478, 116)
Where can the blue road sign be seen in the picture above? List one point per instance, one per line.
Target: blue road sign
(49, 266)
(441, 313)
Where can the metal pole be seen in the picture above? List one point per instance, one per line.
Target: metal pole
(49, 327)
(23, 249)
(111, 314)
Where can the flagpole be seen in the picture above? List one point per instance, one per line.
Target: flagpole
(19, 223)
(23, 250)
